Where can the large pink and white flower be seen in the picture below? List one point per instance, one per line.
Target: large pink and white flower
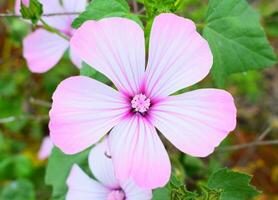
(42, 49)
(82, 187)
(84, 110)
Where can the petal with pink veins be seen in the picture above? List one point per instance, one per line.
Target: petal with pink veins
(74, 6)
(178, 56)
(82, 187)
(115, 47)
(197, 121)
(43, 50)
(83, 111)
(61, 23)
(133, 192)
(101, 165)
(75, 59)
(138, 153)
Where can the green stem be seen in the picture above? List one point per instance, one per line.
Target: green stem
(141, 16)
(200, 26)
(53, 30)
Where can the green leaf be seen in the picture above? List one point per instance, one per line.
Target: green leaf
(161, 193)
(209, 194)
(174, 190)
(179, 191)
(99, 9)
(192, 165)
(234, 185)
(58, 168)
(237, 39)
(18, 190)
(87, 70)
(33, 12)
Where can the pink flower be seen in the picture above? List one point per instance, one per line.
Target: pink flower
(82, 187)
(84, 110)
(42, 49)
(26, 2)
(17, 5)
(46, 148)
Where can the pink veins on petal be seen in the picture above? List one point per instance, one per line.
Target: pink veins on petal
(84, 110)
(107, 186)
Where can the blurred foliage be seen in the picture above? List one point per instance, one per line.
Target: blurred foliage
(18, 190)
(23, 121)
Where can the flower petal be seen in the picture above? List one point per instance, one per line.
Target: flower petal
(43, 50)
(196, 122)
(60, 22)
(116, 48)
(75, 59)
(133, 192)
(102, 166)
(74, 6)
(17, 7)
(46, 148)
(83, 111)
(178, 56)
(82, 187)
(138, 153)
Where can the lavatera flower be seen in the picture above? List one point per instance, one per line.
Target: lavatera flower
(82, 187)
(43, 49)
(84, 110)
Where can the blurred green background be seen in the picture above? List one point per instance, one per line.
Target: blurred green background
(25, 100)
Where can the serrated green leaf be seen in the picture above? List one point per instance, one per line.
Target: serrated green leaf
(99, 9)
(234, 185)
(209, 194)
(33, 12)
(237, 39)
(178, 190)
(58, 168)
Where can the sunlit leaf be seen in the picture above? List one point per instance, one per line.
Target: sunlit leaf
(234, 185)
(237, 39)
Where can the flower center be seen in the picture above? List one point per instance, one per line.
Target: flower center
(140, 103)
(116, 195)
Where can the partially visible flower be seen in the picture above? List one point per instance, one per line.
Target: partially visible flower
(46, 148)
(18, 3)
(26, 2)
(84, 110)
(108, 187)
(42, 49)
